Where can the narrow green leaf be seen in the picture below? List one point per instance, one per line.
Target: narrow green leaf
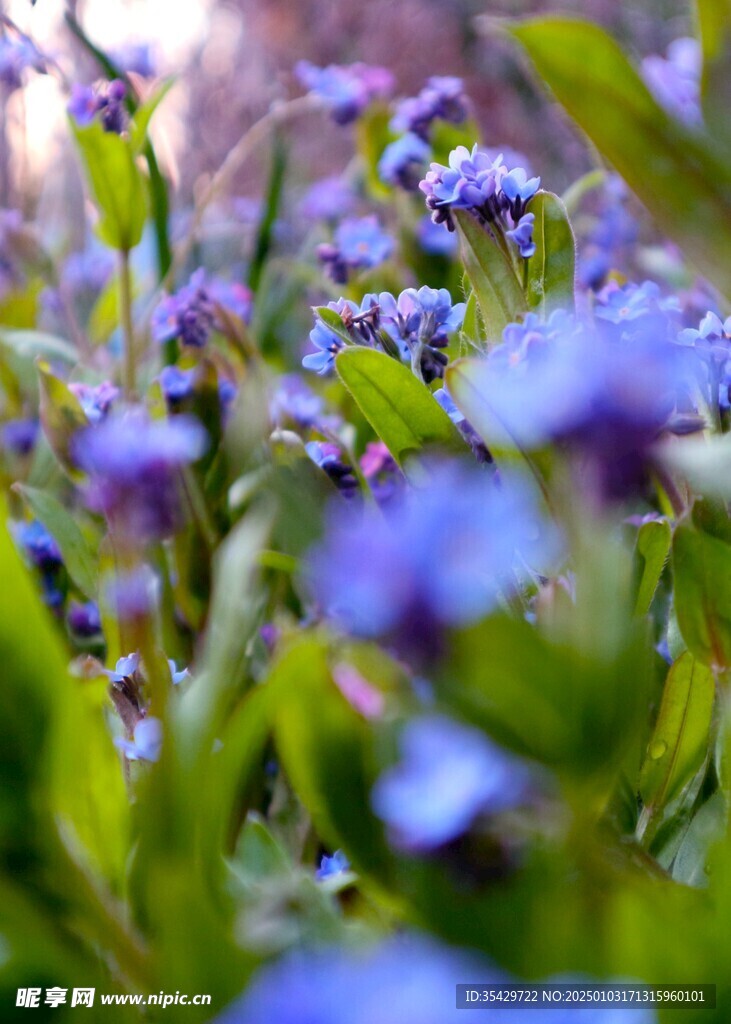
(140, 122)
(116, 184)
(551, 269)
(702, 566)
(679, 742)
(60, 524)
(714, 20)
(401, 410)
(679, 174)
(34, 344)
(61, 417)
(492, 275)
(653, 547)
(706, 828)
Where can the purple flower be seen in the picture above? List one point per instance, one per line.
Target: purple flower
(522, 235)
(361, 323)
(134, 593)
(480, 182)
(448, 775)
(360, 244)
(95, 401)
(420, 323)
(346, 89)
(381, 471)
(39, 545)
(233, 296)
(607, 398)
(18, 55)
(675, 81)
(328, 457)
(19, 436)
(294, 401)
(430, 558)
(187, 316)
(328, 345)
(712, 344)
(177, 385)
(136, 57)
(105, 100)
(146, 742)
(442, 97)
(134, 465)
(338, 864)
(433, 239)
(87, 272)
(402, 161)
(328, 199)
(84, 619)
(468, 432)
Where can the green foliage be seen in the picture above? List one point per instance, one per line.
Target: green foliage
(77, 556)
(702, 567)
(403, 414)
(551, 269)
(679, 174)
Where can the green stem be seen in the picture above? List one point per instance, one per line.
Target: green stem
(125, 315)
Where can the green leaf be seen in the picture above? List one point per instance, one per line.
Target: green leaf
(714, 19)
(259, 855)
(401, 410)
(60, 524)
(492, 275)
(116, 184)
(140, 122)
(678, 173)
(464, 379)
(334, 322)
(62, 416)
(552, 267)
(678, 746)
(653, 547)
(33, 344)
(706, 828)
(702, 568)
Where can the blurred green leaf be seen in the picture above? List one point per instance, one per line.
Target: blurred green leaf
(678, 746)
(551, 269)
(689, 866)
(653, 547)
(75, 552)
(140, 121)
(702, 568)
(679, 174)
(116, 183)
(492, 275)
(714, 18)
(61, 416)
(401, 410)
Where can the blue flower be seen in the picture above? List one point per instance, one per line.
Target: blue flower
(522, 235)
(39, 545)
(328, 345)
(187, 316)
(346, 89)
(293, 400)
(422, 320)
(434, 239)
(338, 864)
(178, 676)
(426, 560)
(402, 161)
(104, 100)
(518, 189)
(442, 97)
(359, 321)
(84, 619)
(328, 199)
(362, 242)
(134, 465)
(96, 401)
(675, 81)
(328, 457)
(177, 385)
(19, 436)
(448, 775)
(18, 55)
(146, 742)
(124, 668)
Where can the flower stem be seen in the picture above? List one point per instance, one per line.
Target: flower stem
(125, 315)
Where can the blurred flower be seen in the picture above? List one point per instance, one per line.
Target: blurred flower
(293, 400)
(87, 271)
(432, 557)
(136, 57)
(468, 432)
(328, 457)
(233, 296)
(402, 161)
(39, 545)
(609, 241)
(84, 619)
(381, 471)
(346, 89)
(146, 741)
(134, 463)
(105, 100)
(635, 308)
(177, 385)
(362, 696)
(12, 232)
(448, 775)
(187, 316)
(124, 667)
(360, 244)
(433, 239)
(712, 344)
(338, 864)
(328, 199)
(95, 401)
(442, 97)
(675, 81)
(178, 676)
(18, 55)
(19, 436)
(133, 593)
